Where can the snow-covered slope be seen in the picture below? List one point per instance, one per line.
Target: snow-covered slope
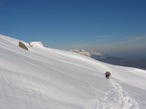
(45, 78)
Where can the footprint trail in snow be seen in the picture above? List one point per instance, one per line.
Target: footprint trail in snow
(112, 96)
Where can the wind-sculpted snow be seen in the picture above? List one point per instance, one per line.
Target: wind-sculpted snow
(45, 78)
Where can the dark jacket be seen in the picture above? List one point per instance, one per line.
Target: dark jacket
(107, 74)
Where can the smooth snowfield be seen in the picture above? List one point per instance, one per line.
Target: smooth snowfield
(45, 78)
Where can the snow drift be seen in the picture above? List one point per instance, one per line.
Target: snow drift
(45, 78)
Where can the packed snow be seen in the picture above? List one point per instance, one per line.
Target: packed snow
(46, 78)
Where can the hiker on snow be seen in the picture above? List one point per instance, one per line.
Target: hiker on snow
(107, 74)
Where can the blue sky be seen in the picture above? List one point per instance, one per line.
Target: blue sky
(110, 26)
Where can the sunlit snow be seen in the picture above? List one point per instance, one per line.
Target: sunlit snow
(46, 78)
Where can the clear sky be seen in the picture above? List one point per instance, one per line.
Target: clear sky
(110, 26)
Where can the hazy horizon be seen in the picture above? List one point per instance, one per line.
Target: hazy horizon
(112, 27)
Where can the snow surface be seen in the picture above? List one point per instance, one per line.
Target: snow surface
(45, 78)
(37, 44)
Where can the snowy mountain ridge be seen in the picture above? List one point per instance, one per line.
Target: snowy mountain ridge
(115, 60)
(45, 78)
(87, 53)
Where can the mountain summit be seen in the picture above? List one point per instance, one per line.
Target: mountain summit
(45, 78)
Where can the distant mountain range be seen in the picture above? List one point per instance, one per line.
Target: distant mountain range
(138, 63)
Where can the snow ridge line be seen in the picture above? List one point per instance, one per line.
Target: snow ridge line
(112, 96)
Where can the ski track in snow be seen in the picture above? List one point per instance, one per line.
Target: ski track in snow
(112, 96)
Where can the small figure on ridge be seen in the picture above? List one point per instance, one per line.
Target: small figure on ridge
(107, 74)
